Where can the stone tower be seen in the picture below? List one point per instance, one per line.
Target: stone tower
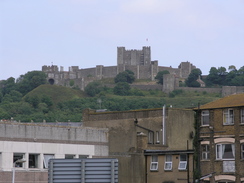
(134, 57)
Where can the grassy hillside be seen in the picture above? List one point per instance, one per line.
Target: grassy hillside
(56, 93)
(57, 103)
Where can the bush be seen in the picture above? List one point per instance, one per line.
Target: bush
(122, 88)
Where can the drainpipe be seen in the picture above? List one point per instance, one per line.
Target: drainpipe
(163, 126)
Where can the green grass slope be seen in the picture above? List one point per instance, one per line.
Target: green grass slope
(56, 93)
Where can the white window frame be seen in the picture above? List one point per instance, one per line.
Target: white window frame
(168, 162)
(46, 158)
(154, 163)
(157, 137)
(242, 115)
(242, 151)
(219, 151)
(183, 162)
(205, 152)
(18, 156)
(36, 160)
(205, 118)
(150, 137)
(69, 156)
(228, 116)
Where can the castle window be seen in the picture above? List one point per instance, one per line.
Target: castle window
(154, 163)
(242, 116)
(205, 117)
(183, 162)
(228, 116)
(168, 162)
(205, 152)
(225, 151)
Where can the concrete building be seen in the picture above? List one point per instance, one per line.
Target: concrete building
(221, 140)
(37, 143)
(152, 145)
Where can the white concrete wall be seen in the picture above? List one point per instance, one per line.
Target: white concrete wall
(8, 148)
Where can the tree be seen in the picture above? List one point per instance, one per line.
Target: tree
(125, 76)
(191, 81)
(213, 77)
(93, 88)
(8, 85)
(160, 76)
(232, 68)
(122, 88)
(31, 80)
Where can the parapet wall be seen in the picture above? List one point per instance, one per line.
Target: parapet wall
(40, 132)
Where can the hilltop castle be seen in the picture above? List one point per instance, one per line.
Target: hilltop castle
(138, 61)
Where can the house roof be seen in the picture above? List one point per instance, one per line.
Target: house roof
(235, 100)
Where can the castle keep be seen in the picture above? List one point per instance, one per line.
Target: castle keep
(138, 61)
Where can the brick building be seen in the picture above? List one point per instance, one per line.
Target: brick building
(152, 145)
(221, 140)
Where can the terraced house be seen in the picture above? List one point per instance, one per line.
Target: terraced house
(221, 140)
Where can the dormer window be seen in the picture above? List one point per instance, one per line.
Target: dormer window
(205, 117)
(228, 117)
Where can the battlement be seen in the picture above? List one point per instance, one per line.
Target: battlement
(138, 61)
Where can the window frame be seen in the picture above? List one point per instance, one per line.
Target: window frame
(183, 162)
(154, 163)
(150, 137)
(220, 154)
(168, 161)
(15, 158)
(228, 119)
(205, 152)
(46, 160)
(35, 159)
(157, 137)
(242, 151)
(242, 115)
(205, 116)
(69, 156)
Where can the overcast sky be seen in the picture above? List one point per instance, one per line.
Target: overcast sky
(86, 33)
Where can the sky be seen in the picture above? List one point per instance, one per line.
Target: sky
(86, 33)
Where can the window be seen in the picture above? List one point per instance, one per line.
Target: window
(228, 116)
(242, 151)
(242, 116)
(69, 156)
(168, 162)
(157, 137)
(205, 117)
(154, 163)
(18, 156)
(150, 137)
(46, 158)
(205, 152)
(183, 162)
(225, 151)
(33, 160)
(83, 156)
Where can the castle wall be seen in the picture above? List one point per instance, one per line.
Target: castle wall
(109, 72)
(138, 61)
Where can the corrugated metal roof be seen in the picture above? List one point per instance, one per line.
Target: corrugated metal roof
(235, 100)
